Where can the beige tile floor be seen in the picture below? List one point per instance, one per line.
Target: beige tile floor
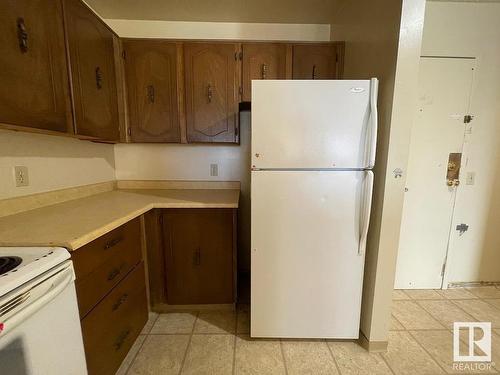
(217, 342)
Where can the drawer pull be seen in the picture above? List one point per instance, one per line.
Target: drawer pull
(121, 339)
(113, 242)
(22, 35)
(114, 272)
(120, 301)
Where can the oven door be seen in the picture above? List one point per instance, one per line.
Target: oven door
(40, 325)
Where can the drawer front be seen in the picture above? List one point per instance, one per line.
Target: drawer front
(112, 327)
(93, 287)
(120, 240)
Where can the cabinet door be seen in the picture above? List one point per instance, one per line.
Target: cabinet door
(212, 86)
(151, 75)
(199, 255)
(315, 61)
(262, 61)
(34, 89)
(93, 73)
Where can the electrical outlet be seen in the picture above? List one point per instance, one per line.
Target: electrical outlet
(214, 170)
(21, 176)
(471, 178)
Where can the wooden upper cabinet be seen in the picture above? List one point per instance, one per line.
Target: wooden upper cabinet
(316, 61)
(262, 61)
(212, 91)
(34, 89)
(93, 73)
(151, 76)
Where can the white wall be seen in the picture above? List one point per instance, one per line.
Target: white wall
(383, 39)
(473, 30)
(219, 30)
(53, 162)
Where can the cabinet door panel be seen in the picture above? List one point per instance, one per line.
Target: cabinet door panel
(151, 74)
(34, 89)
(199, 255)
(262, 61)
(93, 73)
(211, 92)
(315, 61)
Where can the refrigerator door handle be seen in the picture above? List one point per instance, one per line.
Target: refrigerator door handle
(373, 122)
(366, 206)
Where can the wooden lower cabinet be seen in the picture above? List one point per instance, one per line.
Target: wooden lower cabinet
(111, 292)
(112, 327)
(192, 256)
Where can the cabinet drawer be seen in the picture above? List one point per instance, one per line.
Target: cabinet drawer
(110, 245)
(110, 264)
(112, 327)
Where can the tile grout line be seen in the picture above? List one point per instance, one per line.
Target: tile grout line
(333, 357)
(234, 342)
(428, 353)
(386, 363)
(436, 319)
(142, 344)
(283, 356)
(397, 320)
(135, 355)
(430, 315)
(188, 344)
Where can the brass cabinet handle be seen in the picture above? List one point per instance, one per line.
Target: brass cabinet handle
(314, 72)
(112, 243)
(197, 257)
(22, 35)
(120, 301)
(209, 93)
(264, 71)
(115, 272)
(98, 77)
(121, 339)
(151, 94)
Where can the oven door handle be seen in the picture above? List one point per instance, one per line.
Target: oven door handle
(34, 299)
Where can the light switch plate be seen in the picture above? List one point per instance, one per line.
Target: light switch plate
(21, 176)
(471, 178)
(214, 170)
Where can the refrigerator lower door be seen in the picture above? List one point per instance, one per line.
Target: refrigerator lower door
(307, 252)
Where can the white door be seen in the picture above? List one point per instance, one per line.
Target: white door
(308, 236)
(314, 124)
(444, 95)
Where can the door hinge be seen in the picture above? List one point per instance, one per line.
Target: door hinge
(124, 55)
(468, 119)
(462, 228)
(129, 131)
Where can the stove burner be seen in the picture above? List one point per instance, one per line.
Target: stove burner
(9, 263)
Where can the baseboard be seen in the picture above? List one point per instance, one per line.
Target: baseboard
(372, 346)
(164, 308)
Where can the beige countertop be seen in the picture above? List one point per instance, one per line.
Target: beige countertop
(75, 223)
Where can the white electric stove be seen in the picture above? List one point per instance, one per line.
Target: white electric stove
(39, 322)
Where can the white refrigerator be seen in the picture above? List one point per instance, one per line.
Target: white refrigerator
(313, 148)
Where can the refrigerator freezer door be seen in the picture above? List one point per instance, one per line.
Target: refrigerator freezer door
(314, 124)
(306, 263)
